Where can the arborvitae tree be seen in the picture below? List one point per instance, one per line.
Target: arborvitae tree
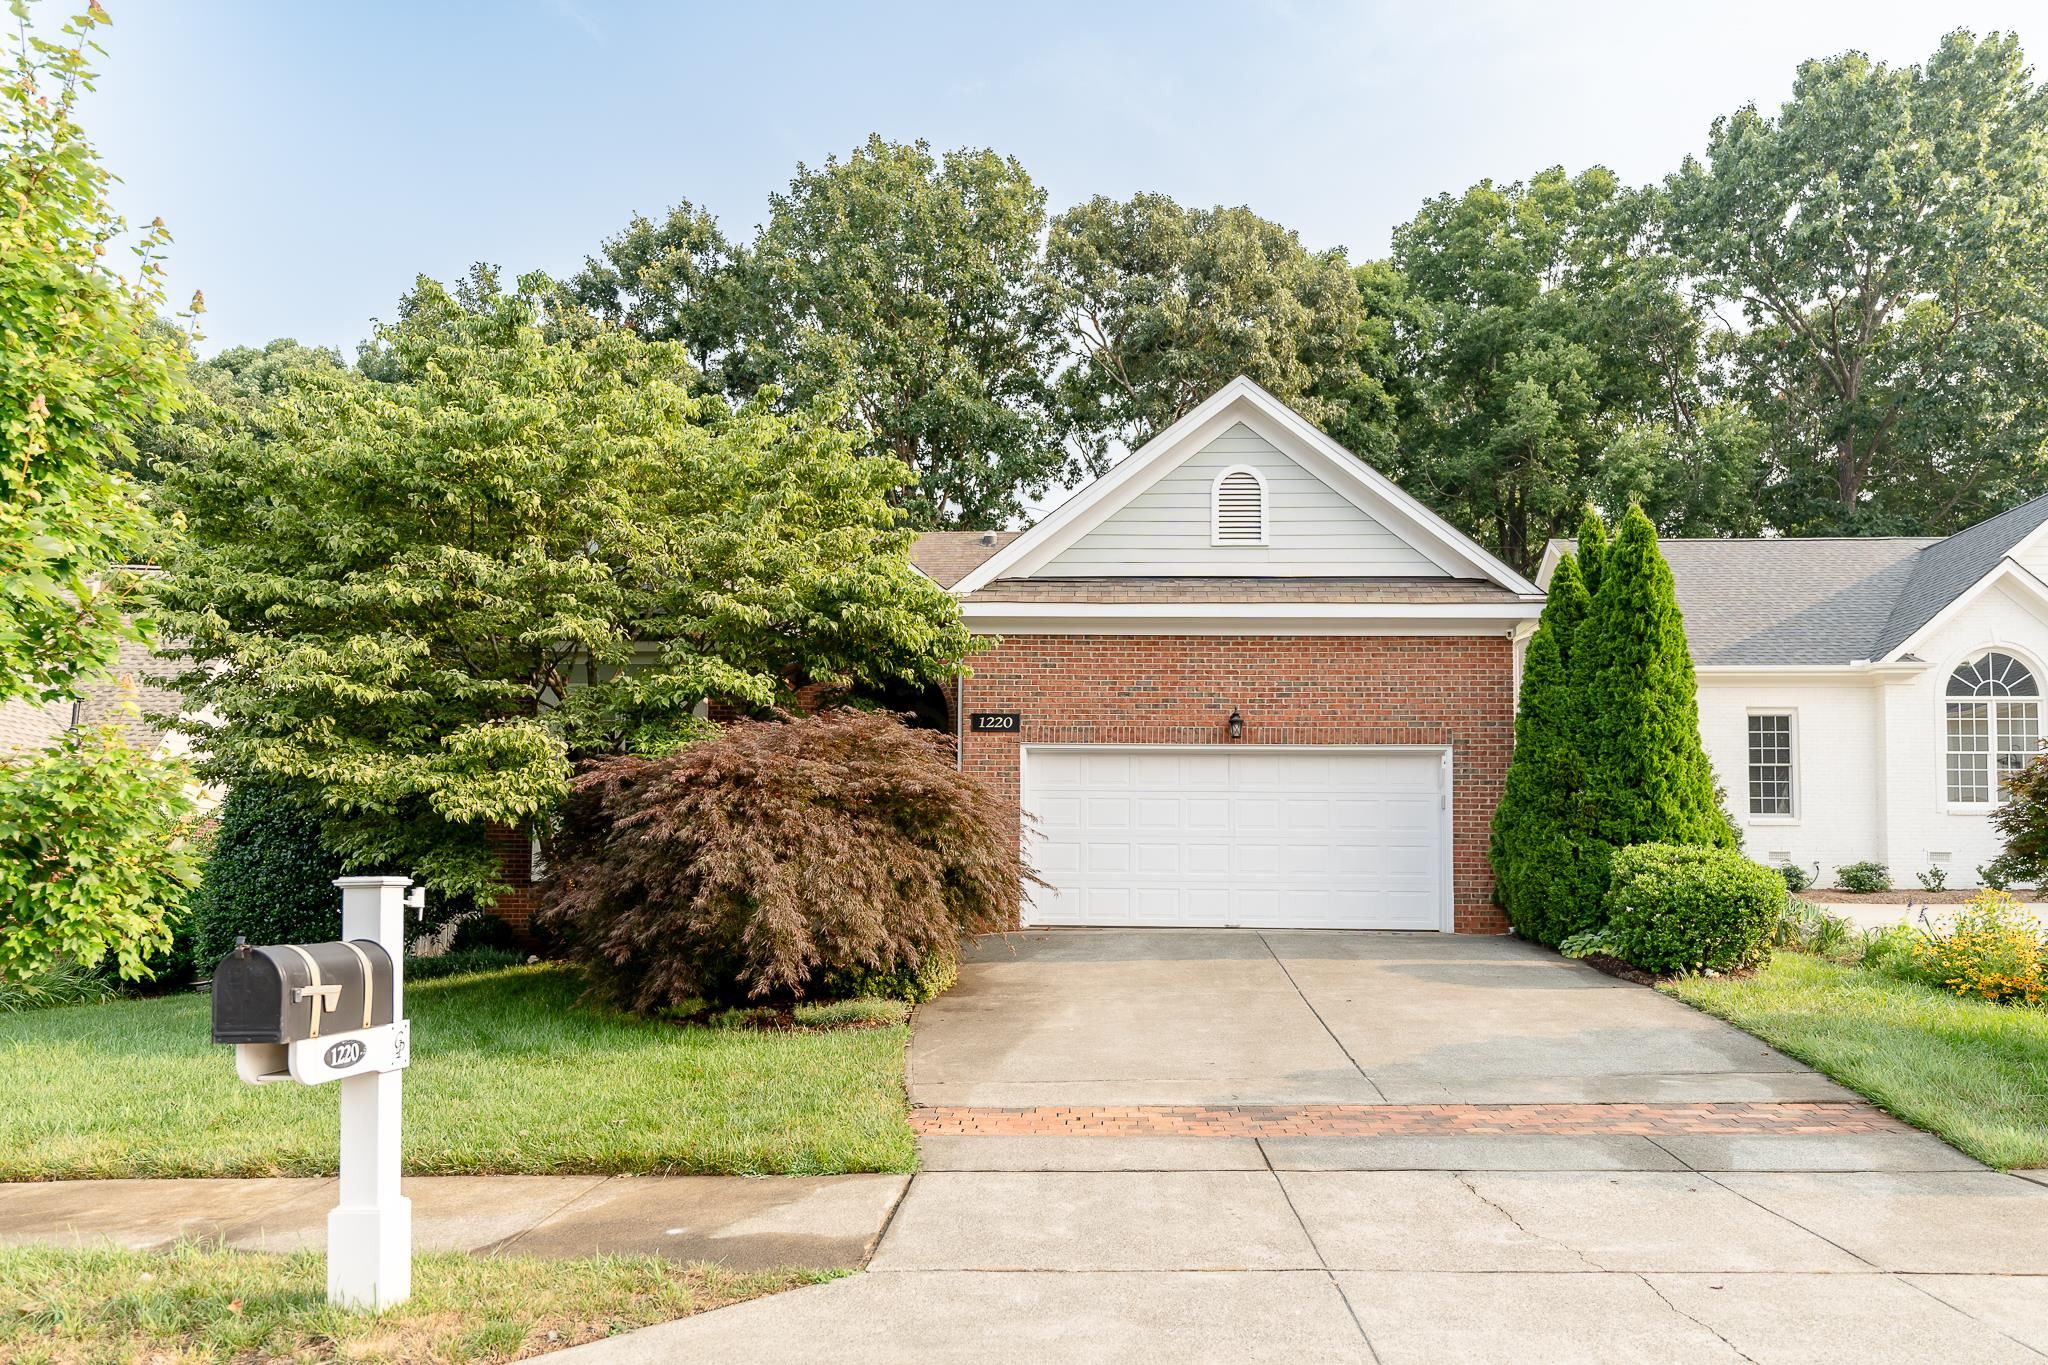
(1537, 847)
(1647, 778)
(1592, 549)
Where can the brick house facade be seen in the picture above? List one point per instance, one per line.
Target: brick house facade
(1242, 563)
(1296, 690)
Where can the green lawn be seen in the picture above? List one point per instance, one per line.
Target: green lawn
(193, 1304)
(1974, 1072)
(511, 1073)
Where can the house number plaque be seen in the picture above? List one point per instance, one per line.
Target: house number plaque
(991, 722)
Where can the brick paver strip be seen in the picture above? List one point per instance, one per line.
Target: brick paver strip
(1809, 1117)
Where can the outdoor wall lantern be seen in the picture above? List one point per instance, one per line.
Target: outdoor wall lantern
(1236, 724)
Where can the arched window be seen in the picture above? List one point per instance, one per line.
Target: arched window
(1994, 726)
(1238, 507)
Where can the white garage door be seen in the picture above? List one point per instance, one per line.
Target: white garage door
(1318, 838)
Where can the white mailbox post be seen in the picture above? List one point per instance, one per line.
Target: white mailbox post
(320, 1012)
(369, 1233)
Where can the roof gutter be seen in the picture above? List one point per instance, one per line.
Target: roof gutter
(1857, 670)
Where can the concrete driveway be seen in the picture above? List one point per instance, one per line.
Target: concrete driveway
(1146, 1145)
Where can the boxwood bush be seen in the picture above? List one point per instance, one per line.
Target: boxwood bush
(1676, 907)
(1865, 877)
(778, 860)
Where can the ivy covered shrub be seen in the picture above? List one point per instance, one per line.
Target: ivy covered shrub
(1677, 907)
(269, 879)
(97, 854)
(1864, 877)
(775, 859)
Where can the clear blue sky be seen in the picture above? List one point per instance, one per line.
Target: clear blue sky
(311, 158)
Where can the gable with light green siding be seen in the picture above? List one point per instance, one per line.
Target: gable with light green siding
(1311, 529)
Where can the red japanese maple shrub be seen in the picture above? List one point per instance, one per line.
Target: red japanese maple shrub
(778, 856)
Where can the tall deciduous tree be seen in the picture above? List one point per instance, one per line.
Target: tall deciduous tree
(903, 284)
(1561, 365)
(1886, 240)
(1162, 305)
(1538, 850)
(409, 601)
(675, 280)
(1647, 780)
(82, 366)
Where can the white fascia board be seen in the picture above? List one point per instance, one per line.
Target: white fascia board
(1243, 401)
(2009, 573)
(1240, 618)
(1863, 670)
(1552, 553)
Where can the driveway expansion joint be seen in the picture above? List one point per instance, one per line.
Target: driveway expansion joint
(1818, 1118)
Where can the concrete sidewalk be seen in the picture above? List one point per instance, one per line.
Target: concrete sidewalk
(823, 1222)
(1538, 1163)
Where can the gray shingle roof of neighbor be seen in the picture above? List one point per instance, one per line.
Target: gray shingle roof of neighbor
(1799, 601)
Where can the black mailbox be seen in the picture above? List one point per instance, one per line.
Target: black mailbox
(285, 992)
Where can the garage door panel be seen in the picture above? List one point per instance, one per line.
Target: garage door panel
(1256, 812)
(1281, 838)
(1107, 857)
(1159, 859)
(1159, 813)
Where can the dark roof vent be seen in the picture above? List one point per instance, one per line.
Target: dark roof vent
(988, 537)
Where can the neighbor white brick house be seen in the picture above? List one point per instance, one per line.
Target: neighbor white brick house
(1861, 699)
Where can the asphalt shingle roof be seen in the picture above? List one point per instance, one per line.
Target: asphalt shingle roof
(1800, 601)
(946, 557)
(1947, 568)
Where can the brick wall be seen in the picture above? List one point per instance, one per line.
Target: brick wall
(514, 848)
(1168, 689)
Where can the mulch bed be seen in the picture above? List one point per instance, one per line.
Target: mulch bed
(1614, 966)
(774, 1019)
(1836, 896)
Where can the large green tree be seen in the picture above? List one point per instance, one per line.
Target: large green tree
(82, 366)
(1538, 850)
(1647, 779)
(219, 393)
(410, 600)
(1561, 364)
(1162, 305)
(1885, 240)
(673, 280)
(902, 285)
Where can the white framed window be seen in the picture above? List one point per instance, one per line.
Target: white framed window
(1237, 507)
(1770, 765)
(1991, 726)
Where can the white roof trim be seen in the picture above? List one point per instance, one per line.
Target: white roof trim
(1248, 618)
(1861, 671)
(2009, 572)
(1243, 401)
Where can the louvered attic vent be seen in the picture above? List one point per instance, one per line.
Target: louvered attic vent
(1240, 508)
